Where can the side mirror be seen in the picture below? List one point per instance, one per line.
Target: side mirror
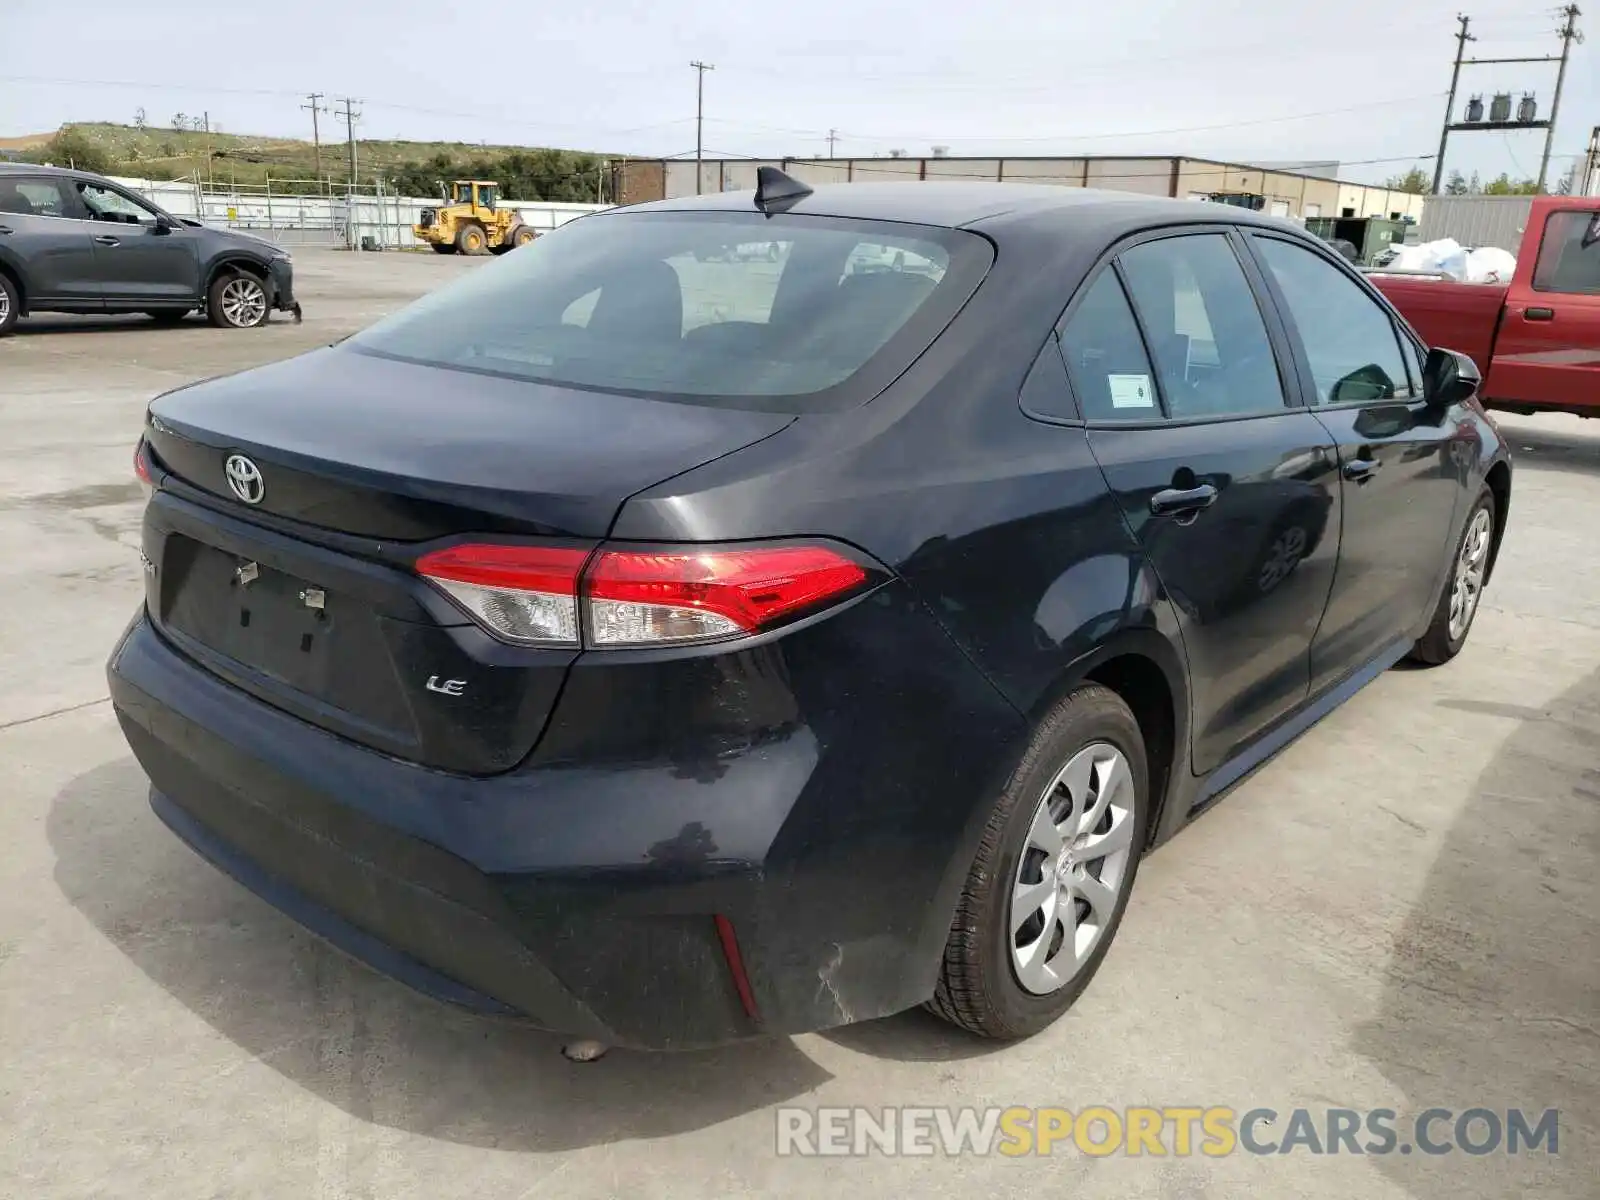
(1449, 377)
(163, 224)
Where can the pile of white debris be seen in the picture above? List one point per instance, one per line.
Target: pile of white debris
(1487, 264)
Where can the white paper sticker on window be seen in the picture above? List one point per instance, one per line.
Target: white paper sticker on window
(1131, 391)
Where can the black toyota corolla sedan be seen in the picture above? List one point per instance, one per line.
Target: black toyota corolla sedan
(668, 645)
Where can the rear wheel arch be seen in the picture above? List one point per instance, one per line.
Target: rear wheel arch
(1148, 673)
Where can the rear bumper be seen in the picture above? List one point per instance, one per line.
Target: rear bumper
(583, 899)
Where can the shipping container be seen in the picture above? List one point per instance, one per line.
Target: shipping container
(1476, 221)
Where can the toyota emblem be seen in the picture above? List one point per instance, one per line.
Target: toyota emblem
(244, 479)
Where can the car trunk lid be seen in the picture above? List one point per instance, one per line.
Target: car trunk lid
(294, 581)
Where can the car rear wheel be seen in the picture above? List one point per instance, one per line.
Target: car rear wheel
(1053, 871)
(1458, 603)
(10, 305)
(237, 301)
(470, 240)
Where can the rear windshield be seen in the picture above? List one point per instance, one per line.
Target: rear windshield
(789, 313)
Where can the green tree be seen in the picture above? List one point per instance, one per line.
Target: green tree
(1504, 185)
(70, 148)
(1416, 181)
(1455, 185)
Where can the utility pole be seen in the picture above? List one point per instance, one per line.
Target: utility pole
(350, 115)
(1569, 33)
(699, 117)
(315, 107)
(1462, 38)
(833, 136)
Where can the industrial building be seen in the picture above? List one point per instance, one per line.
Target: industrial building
(1284, 191)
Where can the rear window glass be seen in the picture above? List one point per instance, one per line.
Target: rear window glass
(773, 313)
(1569, 259)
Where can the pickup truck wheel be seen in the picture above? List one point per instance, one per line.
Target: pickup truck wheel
(1053, 871)
(10, 305)
(1463, 588)
(237, 300)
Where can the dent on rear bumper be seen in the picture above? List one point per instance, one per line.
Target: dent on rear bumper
(583, 897)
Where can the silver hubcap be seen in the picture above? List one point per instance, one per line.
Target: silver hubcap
(244, 302)
(1467, 584)
(1072, 869)
(1283, 557)
(5, 305)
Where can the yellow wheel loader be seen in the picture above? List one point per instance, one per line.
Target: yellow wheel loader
(471, 223)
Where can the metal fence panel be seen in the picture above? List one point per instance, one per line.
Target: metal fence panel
(349, 219)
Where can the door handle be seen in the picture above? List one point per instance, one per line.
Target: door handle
(106, 240)
(1359, 470)
(1183, 500)
(1538, 314)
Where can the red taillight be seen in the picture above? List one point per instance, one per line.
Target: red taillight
(530, 594)
(643, 597)
(523, 594)
(141, 468)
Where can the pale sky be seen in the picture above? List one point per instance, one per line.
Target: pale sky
(1356, 80)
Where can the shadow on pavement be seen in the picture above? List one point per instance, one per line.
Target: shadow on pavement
(53, 323)
(361, 1042)
(1555, 449)
(916, 1036)
(1492, 996)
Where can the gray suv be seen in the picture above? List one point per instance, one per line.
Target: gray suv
(78, 243)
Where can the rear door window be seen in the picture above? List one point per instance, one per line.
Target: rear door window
(1569, 257)
(1111, 373)
(1350, 341)
(782, 313)
(1205, 330)
(34, 198)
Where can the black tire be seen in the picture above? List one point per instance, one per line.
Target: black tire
(521, 236)
(443, 247)
(1438, 645)
(10, 305)
(168, 316)
(223, 314)
(978, 987)
(470, 239)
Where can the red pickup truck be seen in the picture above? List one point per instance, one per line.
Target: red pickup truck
(1536, 340)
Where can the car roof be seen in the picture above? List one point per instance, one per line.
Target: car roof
(23, 168)
(968, 204)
